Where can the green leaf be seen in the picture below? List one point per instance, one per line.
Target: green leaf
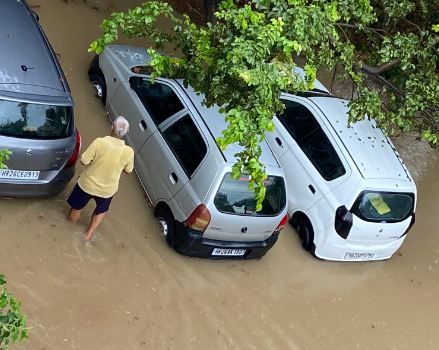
(12, 321)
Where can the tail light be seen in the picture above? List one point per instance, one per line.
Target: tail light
(343, 221)
(281, 225)
(199, 219)
(75, 154)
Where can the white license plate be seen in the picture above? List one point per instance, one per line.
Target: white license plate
(359, 256)
(19, 174)
(228, 252)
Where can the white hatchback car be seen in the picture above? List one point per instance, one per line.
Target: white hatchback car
(350, 196)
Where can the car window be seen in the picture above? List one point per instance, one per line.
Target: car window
(159, 99)
(298, 120)
(322, 155)
(186, 143)
(383, 206)
(234, 196)
(35, 121)
(310, 137)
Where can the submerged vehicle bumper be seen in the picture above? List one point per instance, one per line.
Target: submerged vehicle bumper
(192, 243)
(339, 249)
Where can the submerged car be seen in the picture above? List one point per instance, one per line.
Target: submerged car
(350, 196)
(36, 109)
(202, 210)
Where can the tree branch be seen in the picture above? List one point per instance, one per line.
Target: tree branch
(376, 31)
(342, 30)
(377, 70)
(428, 113)
(385, 82)
(413, 24)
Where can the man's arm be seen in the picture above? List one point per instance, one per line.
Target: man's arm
(90, 153)
(130, 164)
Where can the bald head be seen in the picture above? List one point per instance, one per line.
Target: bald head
(120, 126)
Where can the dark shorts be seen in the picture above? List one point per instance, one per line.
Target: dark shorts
(78, 199)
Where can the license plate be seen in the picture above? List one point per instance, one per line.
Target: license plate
(19, 174)
(228, 252)
(359, 256)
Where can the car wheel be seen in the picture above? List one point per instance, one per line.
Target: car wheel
(167, 225)
(306, 234)
(98, 82)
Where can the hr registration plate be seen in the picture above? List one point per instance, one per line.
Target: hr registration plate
(228, 252)
(19, 174)
(359, 256)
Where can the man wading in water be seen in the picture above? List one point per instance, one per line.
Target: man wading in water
(105, 159)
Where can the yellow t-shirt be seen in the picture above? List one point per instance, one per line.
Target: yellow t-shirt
(105, 158)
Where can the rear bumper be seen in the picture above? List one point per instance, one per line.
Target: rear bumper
(191, 243)
(22, 189)
(338, 249)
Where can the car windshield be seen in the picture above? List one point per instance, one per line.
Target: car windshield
(234, 197)
(383, 206)
(34, 121)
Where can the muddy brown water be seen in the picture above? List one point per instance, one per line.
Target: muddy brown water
(128, 290)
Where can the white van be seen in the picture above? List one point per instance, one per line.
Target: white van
(350, 196)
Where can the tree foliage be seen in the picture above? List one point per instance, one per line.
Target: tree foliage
(244, 61)
(4, 155)
(12, 321)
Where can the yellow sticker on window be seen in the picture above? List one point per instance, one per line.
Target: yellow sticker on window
(378, 203)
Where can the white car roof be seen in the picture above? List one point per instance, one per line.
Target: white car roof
(216, 123)
(365, 143)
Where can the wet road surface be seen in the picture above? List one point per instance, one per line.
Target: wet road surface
(128, 290)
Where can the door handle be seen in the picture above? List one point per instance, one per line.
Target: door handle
(278, 141)
(173, 178)
(143, 125)
(312, 189)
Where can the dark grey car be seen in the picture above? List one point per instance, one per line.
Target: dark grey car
(36, 109)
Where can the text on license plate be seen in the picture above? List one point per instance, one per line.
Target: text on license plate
(19, 174)
(229, 252)
(359, 256)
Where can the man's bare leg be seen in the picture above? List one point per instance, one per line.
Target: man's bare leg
(74, 215)
(96, 219)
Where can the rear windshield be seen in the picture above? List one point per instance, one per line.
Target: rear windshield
(383, 206)
(34, 121)
(234, 197)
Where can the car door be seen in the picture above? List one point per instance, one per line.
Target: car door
(145, 105)
(174, 153)
(126, 102)
(312, 164)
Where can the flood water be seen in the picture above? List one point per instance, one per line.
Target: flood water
(128, 290)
